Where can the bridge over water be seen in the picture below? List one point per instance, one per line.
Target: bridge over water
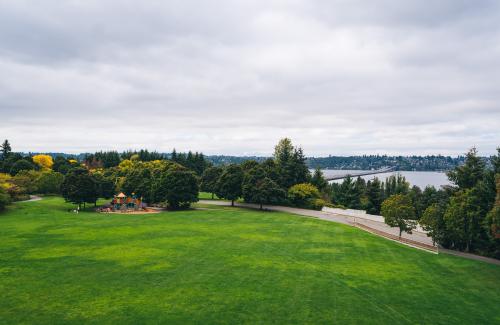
(361, 173)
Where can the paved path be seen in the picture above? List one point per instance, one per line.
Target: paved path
(31, 199)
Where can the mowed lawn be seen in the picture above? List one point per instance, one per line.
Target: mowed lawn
(225, 266)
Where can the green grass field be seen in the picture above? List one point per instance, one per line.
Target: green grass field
(225, 266)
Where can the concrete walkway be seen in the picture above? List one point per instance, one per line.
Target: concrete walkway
(31, 199)
(377, 228)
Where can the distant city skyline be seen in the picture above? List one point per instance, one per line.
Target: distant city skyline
(339, 77)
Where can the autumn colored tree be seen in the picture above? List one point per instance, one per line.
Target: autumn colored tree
(44, 161)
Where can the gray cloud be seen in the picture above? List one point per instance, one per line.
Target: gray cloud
(338, 77)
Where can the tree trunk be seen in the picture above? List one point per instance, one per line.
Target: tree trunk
(400, 232)
(232, 203)
(212, 195)
(261, 206)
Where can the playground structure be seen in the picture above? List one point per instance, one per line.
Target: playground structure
(124, 204)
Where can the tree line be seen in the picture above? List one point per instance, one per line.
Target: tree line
(465, 216)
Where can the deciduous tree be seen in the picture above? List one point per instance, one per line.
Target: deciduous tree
(179, 188)
(209, 179)
(44, 161)
(79, 187)
(229, 185)
(398, 211)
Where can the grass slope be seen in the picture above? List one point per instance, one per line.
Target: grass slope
(225, 266)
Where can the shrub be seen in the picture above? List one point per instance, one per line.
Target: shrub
(317, 204)
(303, 195)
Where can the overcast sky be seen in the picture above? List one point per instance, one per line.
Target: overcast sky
(338, 77)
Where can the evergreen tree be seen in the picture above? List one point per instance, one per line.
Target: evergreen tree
(6, 149)
(470, 173)
(290, 163)
(375, 196)
(319, 180)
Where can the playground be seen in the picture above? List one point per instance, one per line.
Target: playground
(130, 204)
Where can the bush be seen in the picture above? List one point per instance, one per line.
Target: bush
(304, 195)
(317, 204)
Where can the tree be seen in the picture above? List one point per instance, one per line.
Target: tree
(4, 198)
(290, 163)
(416, 198)
(6, 149)
(319, 180)
(432, 221)
(398, 211)
(347, 194)
(247, 165)
(79, 187)
(492, 223)
(49, 182)
(44, 161)
(62, 165)
(396, 184)
(470, 173)
(464, 219)
(258, 188)
(19, 165)
(179, 188)
(375, 196)
(138, 180)
(266, 191)
(209, 179)
(105, 186)
(229, 185)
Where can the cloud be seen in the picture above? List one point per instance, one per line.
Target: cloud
(338, 77)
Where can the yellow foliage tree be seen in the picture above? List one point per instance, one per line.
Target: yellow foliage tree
(44, 161)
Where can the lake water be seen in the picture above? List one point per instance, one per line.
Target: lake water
(421, 179)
